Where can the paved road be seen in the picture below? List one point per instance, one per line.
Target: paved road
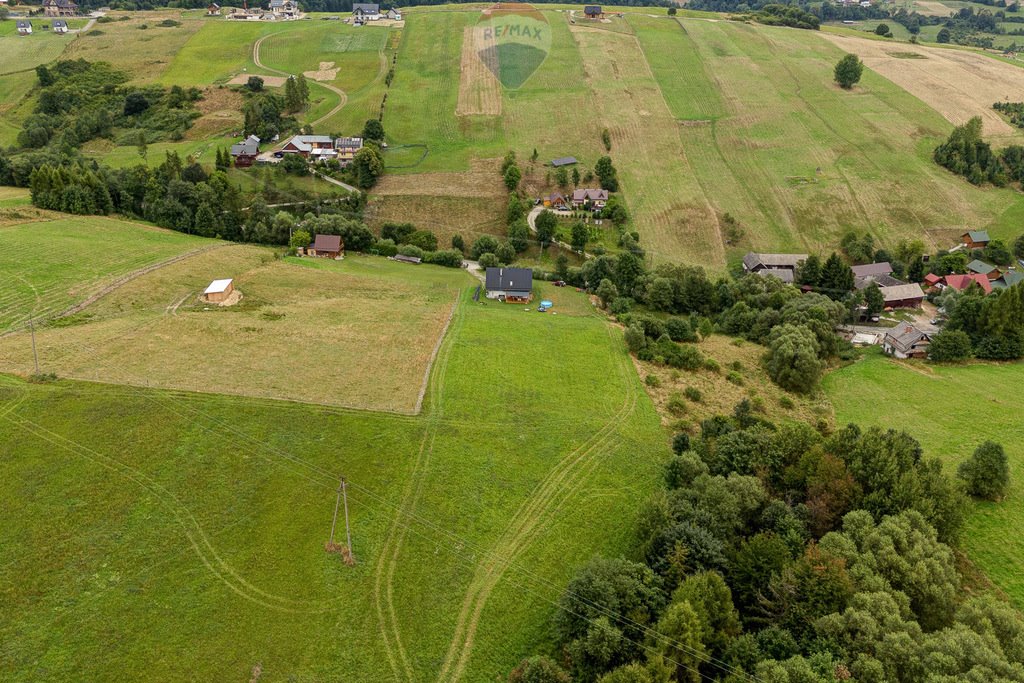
(342, 97)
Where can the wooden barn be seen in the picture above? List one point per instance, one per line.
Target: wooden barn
(219, 291)
(326, 246)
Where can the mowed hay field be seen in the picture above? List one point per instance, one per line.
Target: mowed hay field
(957, 83)
(48, 266)
(358, 333)
(150, 528)
(951, 410)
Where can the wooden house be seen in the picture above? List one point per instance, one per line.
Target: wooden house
(213, 10)
(975, 239)
(755, 262)
(906, 341)
(326, 246)
(981, 268)
(305, 144)
(219, 291)
(903, 296)
(595, 199)
(245, 152)
(593, 12)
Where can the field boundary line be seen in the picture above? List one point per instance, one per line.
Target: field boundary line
(433, 354)
(342, 97)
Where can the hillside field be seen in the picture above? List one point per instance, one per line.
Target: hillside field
(48, 266)
(951, 410)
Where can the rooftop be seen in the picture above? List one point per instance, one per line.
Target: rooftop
(327, 243)
(509, 279)
(563, 161)
(867, 269)
(979, 266)
(754, 259)
(902, 292)
(218, 286)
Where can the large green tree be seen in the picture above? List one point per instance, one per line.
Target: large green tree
(986, 472)
(848, 71)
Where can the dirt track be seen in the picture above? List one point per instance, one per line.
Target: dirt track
(956, 83)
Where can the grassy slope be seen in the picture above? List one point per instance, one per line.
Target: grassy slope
(951, 410)
(297, 318)
(80, 257)
(772, 127)
(104, 560)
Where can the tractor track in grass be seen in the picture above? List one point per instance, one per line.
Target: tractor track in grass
(387, 563)
(562, 482)
(190, 526)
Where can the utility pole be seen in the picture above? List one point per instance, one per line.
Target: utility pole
(35, 355)
(350, 558)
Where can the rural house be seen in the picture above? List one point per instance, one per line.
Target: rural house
(60, 8)
(556, 200)
(974, 239)
(246, 151)
(347, 148)
(363, 12)
(305, 144)
(906, 341)
(903, 296)
(283, 8)
(962, 282)
(593, 12)
(59, 26)
(563, 161)
(219, 291)
(393, 14)
(1008, 279)
(511, 285)
(213, 10)
(326, 246)
(981, 268)
(24, 27)
(754, 262)
(880, 280)
(595, 198)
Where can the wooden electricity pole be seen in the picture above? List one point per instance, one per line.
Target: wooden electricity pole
(35, 355)
(342, 499)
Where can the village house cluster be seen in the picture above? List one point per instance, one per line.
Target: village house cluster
(316, 148)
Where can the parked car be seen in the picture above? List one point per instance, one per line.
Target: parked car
(559, 283)
(279, 155)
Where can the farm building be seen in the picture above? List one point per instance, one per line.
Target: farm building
(511, 285)
(593, 12)
(305, 144)
(981, 268)
(903, 296)
(563, 161)
(754, 262)
(326, 246)
(882, 280)
(362, 11)
(872, 269)
(975, 239)
(784, 274)
(60, 8)
(596, 198)
(906, 341)
(59, 26)
(219, 291)
(213, 10)
(24, 27)
(246, 151)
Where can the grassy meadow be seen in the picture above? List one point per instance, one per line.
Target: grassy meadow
(48, 266)
(154, 526)
(951, 410)
(356, 334)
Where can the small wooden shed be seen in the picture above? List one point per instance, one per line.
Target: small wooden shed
(219, 291)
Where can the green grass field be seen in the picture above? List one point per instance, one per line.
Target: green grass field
(46, 267)
(951, 410)
(153, 527)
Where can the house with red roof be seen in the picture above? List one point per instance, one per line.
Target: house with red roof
(962, 282)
